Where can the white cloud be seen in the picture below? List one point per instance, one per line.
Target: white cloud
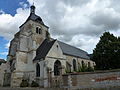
(23, 4)
(7, 45)
(2, 12)
(3, 53)
(77, 22)
(9, 24)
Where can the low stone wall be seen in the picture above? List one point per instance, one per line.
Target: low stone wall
(99, 79)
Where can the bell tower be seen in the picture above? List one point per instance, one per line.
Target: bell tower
(24, 45)
(32, 9)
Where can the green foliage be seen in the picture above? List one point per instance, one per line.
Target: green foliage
(79, 68)
(67, 71)
(90, 69)
(82, 68)
(34, 84)
(107, 52)
(85, 68)
(24, 83)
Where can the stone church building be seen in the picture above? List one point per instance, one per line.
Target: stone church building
(35, 56)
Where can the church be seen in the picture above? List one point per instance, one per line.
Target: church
(35, 56)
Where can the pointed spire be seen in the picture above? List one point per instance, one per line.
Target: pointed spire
(32, 9)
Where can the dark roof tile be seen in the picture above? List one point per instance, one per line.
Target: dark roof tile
(43, 49)
(36, 18)
(73, 51)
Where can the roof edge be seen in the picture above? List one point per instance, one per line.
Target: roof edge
(73, 46)
(77, 56)
(48, 50)
(34, 21)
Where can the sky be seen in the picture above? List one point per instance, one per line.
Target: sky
(77, 22)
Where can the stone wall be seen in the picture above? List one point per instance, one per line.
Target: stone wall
(2, 72)
(78, 61)
(99, 79)
(53, 55)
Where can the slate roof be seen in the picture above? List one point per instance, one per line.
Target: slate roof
(73, 51)
(35, 18)
(43, 49)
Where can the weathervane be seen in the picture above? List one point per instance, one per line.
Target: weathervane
(33, 2)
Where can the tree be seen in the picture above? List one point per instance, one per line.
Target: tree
(107, 52)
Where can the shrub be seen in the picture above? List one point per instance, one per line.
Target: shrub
(90, 69)
(34, 84)
(79, 68)
(67, 71)
(85, 68)
(24, 83)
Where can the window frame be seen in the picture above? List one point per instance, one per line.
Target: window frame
(38, 30)
(37, 70)
(74, 65)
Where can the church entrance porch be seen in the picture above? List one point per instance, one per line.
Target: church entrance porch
(57, 68)
(55, 75)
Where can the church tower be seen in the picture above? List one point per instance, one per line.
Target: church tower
(35, 25)
(23, 47)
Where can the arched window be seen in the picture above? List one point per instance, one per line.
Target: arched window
(40, 31)
(37, 30)
(57, 67)
(83, 64)
(37, 70)
(74, 65)
(89, 64)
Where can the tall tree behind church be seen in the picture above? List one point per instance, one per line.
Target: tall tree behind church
(107, 52)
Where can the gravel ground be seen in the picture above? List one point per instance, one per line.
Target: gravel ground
(8, 88)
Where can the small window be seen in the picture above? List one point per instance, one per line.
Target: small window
(37, 70)
(74, 65)
(57, 46)
(38, 30)
(83, 64)
(89, 64)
